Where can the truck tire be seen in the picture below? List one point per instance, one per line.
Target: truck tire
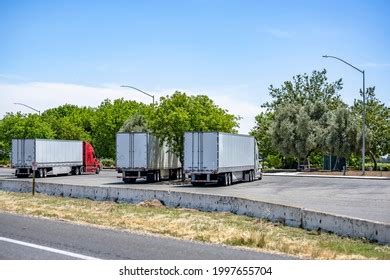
(44, 170)
(150, 178)
(158, 176)
(39, 173)
(225, 180)
(172, 174)
(97, 170)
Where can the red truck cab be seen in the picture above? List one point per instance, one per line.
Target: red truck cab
(91, 163)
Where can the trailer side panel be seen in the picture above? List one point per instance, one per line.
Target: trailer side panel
(236, 152)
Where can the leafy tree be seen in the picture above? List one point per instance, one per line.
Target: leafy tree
(342, 134)
(377, 122)
(300, 110)
(263, 136)
(180, 112)
(109, 118)
(136, 123)
(22, 126)
(299, 130)
(77, 120)
(304, 89)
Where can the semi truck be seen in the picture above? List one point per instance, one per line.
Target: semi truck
(142, 155)
(222, 158)
(53, 157)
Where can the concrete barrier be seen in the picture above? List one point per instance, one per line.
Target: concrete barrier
(288, 215)
(346, 226)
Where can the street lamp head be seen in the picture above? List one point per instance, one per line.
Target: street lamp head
(325, 56)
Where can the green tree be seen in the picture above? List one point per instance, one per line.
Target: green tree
(70, 122)
(19, 125)
(136, 123)
(262, 134)
(342, 134)
(109, 118)
(304, 89)
(180, 112)
(300, 110)
(299, 130)
(377, 122)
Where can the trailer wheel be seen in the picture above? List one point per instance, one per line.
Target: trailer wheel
(44, 172)
(173, 174)
(225, 180)
(157, 176)
(38, 173)
(97, 170)
(230, 179)
(150, 178)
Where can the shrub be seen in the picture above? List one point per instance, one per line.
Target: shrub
(108, 162)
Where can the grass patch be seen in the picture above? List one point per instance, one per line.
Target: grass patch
(213, 227)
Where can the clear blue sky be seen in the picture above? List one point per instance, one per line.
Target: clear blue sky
(235, 48)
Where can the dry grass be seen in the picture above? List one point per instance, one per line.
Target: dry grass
(223, 228)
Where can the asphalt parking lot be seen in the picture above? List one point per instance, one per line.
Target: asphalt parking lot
(360, 198)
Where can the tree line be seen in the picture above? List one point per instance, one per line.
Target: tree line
(168, 119)
(305, 119)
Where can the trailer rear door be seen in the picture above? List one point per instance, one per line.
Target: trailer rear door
(23, 152)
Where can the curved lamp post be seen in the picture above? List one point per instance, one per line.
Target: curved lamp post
(137, 89)
(364, 110)
(39, 112)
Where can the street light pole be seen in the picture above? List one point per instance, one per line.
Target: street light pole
(364, 110)
(137, 89)
(39, 112)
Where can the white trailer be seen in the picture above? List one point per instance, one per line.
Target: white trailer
(223, 158)
(141, 155)
(50, 157)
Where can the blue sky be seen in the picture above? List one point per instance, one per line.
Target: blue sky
(52, 52)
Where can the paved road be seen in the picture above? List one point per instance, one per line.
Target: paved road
(360, 198)
(34, 238)
(6, 172)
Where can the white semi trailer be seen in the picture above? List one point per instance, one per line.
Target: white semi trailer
(223, 158)
(141, 155)
(53, 157)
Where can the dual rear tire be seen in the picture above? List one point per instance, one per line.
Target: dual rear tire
(41, 173)
(153, 177)
(226, 179)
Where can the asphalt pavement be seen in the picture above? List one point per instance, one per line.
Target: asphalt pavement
(28, 238)
(360, 198)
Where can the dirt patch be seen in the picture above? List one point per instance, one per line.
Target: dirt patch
(154, 203)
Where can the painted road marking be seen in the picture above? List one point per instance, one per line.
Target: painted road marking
(49, 249)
